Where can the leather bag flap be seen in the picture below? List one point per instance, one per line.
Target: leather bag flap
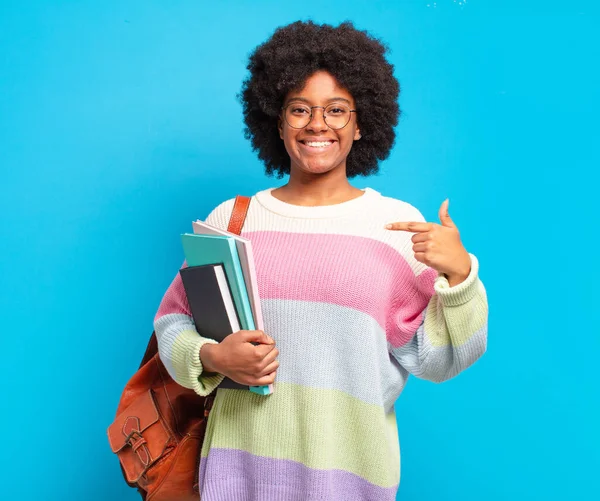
(138, 436)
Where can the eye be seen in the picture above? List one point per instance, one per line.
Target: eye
(336, 110)
(299, 110)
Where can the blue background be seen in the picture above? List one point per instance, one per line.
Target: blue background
(119, 125)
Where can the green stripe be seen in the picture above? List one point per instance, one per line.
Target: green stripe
(320, 428)
(464, 320)
(185, 359)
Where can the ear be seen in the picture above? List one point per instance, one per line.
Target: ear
(280, 127)
(357, 134)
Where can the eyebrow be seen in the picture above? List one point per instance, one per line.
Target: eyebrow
(331, 100)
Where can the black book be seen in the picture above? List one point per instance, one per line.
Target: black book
(212, 306)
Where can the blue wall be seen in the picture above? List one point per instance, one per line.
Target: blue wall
(119, 125)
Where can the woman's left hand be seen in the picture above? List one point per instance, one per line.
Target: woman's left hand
(439, 246)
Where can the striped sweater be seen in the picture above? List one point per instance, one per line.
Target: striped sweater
(353, 314)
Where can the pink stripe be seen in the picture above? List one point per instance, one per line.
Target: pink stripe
(356, 272)
(407, 316)
(174, 300)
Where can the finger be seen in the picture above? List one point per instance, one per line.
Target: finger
(266, 339)
(262, 350)
(421, 237)
(258, 337)
(420, 256)
(268, 358)
(444, 216)
(264, 380)
(272, 367)
(409, 226)
(249, 336)
(421, 247)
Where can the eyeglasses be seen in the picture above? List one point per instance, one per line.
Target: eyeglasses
(298, 116)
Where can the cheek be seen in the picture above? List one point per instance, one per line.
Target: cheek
(289, 140)
(348, 140)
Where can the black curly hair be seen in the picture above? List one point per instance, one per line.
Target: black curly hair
(295, 52)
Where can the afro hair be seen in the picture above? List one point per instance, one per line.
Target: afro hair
(295, 52)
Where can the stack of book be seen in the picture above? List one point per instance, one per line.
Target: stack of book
(220, 284)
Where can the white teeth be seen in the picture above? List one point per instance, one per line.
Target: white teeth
(320, 144)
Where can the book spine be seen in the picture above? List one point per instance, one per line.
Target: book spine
(245, 314)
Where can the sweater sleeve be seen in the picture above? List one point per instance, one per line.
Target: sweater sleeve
(179, 343)
(452, 329)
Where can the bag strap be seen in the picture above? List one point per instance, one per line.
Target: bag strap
(238, 215)
(236, 223)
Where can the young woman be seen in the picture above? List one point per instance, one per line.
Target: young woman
(357, 290)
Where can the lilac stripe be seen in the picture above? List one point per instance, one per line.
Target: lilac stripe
(232, 476)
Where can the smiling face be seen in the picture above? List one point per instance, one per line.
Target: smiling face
(317, 149)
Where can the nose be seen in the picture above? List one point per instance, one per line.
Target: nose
(317, 120)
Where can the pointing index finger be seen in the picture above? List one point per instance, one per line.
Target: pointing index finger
(412, 226)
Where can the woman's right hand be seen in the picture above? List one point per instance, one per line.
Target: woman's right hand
(240, 360)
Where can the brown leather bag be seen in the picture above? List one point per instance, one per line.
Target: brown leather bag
(160, 425)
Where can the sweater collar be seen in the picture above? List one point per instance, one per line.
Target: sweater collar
(356, 205)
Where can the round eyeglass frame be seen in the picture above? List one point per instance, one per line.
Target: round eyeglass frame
(284, 109)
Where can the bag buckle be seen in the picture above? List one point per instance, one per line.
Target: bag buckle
(136, 441)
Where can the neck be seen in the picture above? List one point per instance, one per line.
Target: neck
(312, 190)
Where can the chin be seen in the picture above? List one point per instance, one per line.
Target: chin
(319, 168)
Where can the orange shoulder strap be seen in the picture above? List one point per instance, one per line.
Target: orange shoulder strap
(238, 215)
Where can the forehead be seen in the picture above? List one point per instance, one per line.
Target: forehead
(320, 87)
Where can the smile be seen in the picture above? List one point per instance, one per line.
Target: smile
(317, 145)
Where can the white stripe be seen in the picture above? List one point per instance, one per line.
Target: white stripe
(365, 224)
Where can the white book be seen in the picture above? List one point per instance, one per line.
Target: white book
(244, 248)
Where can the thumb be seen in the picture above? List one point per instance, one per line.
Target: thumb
(445, 218)
(259, 337)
